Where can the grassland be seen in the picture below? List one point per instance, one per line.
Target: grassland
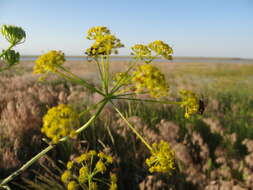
(213, 150)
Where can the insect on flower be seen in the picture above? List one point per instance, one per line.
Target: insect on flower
(202, 104)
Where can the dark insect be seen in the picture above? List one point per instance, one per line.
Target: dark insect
(202, 104)
(201, 107)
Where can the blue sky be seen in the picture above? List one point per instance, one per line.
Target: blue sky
(216, 28)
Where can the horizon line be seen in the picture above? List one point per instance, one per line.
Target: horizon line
(177, 57)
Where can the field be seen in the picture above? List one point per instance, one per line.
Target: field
(213, 150)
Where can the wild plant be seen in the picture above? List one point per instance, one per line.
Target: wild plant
(140, 79)
(15, 36)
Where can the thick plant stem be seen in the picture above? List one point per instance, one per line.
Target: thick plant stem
(107, 73)
(87, 124)
(26, 165)
(132, 128)
(104, 73)
(50, 147)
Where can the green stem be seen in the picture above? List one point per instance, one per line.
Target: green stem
(92, 118)
(9, 48)
(130, 94)
(107, 72)
(1, 55)
(118, 85)
(90, 108)
(81, 81)
(132, 128)
(99, 69)
(26, 165)
(101, 181)
(50, 147)
(147, 100)
(104, 73)
(65, 76)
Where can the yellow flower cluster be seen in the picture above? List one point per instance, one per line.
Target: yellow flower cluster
(83, 169)
(72, 185)
(49, 62)
(96, 31)
(190, 102)
(161, 49)
(162, 158)
(122, 77)
(149, 77)
(105, 43)
(60, 121)
(144, 52)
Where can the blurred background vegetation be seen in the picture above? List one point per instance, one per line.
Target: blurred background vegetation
(213, 150)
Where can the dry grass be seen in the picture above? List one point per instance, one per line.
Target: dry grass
(212, 152)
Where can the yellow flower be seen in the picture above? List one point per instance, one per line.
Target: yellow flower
(190, 102)
(93, 186)
(161, 49)
(142, 52)
(92, 153)
(100, 166)
(87, 169)
(101, 155)
(95, 32)
(122, 77)
(49, 62)
(59, 122)
(83, 174)
(113, 184)
(105, 43)
(109, 159)
(105, 157)
(70, 164)
(72, 185)
(113, 178)
(162, 158)
(82, 158)
(66, 176)
(149, 77)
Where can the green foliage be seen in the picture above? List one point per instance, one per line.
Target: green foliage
(14, 35)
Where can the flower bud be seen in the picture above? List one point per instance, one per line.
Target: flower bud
(13, 34)
(11, 57)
